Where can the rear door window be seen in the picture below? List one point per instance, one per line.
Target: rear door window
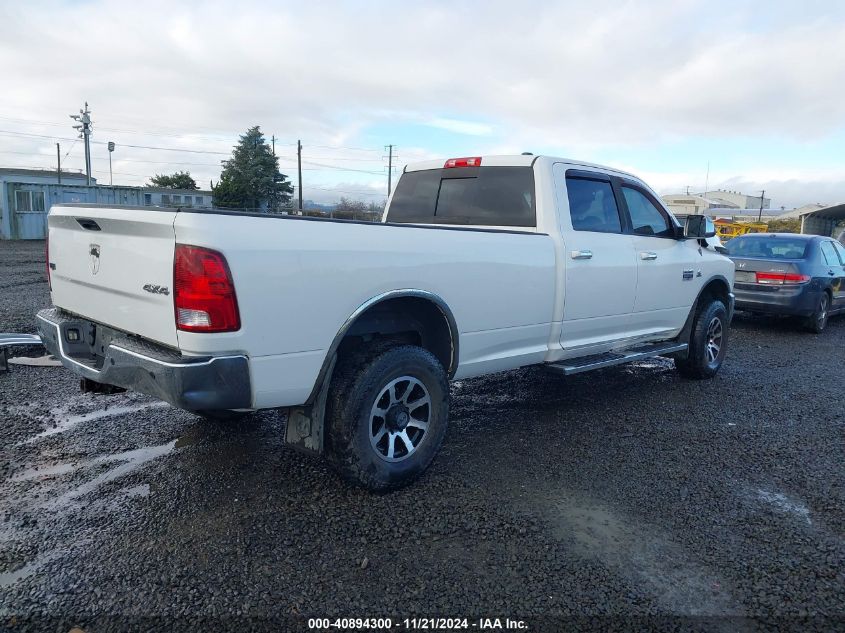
(840, 250)
(592, 206)
(483, 196)
(829, 254)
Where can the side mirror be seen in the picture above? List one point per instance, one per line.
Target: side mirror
(699, 227)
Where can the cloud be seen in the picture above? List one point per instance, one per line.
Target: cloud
(563, 77)
(468, 128)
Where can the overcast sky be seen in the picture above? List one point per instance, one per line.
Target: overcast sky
(661, 89)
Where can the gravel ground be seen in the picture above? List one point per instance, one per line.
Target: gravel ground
(623, 493)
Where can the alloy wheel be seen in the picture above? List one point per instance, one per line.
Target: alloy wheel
(399, 419)
(714, 339)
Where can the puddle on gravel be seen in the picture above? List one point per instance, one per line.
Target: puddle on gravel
(677, 581)
(129, 462)
(141, 490)
(784, 504)
(32, 567)
(190, 436)
(42, 472)
(66, 422)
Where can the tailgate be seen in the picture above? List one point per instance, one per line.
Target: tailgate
(115, 266)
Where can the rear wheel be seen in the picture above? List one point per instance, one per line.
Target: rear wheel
(817, 322)
(386, 416)
(708, 342)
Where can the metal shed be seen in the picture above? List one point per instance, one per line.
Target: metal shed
(24, 205)
(824, 221)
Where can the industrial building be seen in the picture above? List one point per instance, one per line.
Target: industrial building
(26, 196)
(718, 199)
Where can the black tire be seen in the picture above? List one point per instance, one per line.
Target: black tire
(352, 428)
(817, 322)
(223, 415)
(703, 361)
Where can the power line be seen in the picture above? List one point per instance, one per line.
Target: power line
(361, 171)
(182, 134)
(165, 149)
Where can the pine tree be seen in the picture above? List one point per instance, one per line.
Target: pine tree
(251, 178)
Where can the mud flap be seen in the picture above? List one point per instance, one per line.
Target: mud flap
(305, 427)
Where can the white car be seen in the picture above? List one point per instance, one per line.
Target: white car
(481, 265)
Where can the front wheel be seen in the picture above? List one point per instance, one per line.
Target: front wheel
(386, 416)
(708, 342)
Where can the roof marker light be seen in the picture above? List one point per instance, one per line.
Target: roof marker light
(471, 161)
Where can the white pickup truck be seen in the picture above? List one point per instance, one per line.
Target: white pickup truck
(480, 265)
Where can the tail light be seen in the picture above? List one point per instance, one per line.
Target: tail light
(780, 279)
(203, 291)
(473, 161)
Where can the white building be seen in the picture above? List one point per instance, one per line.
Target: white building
(163, 197)
(721, 199)
(690, 204)
(736, 199)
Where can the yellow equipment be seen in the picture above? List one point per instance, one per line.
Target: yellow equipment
(727, 228)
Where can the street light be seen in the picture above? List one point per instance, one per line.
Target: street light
(111, 149)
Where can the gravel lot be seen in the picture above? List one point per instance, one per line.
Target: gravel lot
(628, 492)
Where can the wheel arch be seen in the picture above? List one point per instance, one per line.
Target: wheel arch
(395, 312)
(717, 287)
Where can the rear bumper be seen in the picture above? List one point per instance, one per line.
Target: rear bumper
(794, 301)
(213, 382)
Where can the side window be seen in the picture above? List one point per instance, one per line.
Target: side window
(829, 254)
(23, 201)
(841, 251)
(592, 206)
(646, 218)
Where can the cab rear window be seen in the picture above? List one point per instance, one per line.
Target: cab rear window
(479, 196)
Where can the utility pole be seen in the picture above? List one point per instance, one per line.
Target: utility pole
(760, 215)
(59, 162)
(299, 169)
(273, 139)
(84, 127)
(389, 168)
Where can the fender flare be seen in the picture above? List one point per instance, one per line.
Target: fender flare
(687, 329)
(329, 360)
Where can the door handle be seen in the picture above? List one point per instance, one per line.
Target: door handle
(647, 255)
(831, 273)
(581, 254)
